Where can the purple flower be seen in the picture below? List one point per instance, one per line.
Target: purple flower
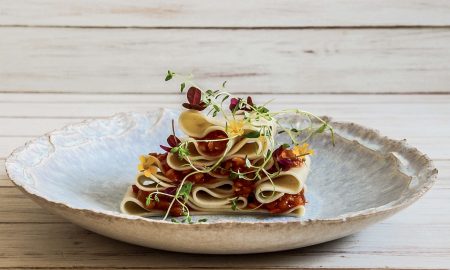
(234, 102)
(173, 141)
(194, 96)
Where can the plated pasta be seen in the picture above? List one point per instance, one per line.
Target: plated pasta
(227, 162)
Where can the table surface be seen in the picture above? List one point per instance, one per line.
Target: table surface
(383, 64)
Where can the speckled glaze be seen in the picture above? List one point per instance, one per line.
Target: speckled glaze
(82, 171)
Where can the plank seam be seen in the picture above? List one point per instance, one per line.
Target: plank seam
(346, 27)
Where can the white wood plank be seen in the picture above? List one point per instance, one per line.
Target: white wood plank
(289, 61)
(65, 245)
(23, 116)
(232, 13)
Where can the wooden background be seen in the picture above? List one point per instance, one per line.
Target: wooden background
(384, 64)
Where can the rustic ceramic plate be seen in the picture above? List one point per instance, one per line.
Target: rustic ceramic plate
(82, 171)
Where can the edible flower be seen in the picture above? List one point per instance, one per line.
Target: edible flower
(173, 141)
(235, 128)
(302, 150)
(147, 165)
(235, 102)
(194, 96)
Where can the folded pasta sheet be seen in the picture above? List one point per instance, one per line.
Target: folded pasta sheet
(229, 162)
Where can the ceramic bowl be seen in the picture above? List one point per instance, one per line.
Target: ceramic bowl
(82, 171)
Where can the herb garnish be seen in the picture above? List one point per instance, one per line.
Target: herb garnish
(241, 113)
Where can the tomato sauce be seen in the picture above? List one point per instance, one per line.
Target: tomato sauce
(213, 148)
(286, 202)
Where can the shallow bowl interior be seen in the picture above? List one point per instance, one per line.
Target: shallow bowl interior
(88, 166)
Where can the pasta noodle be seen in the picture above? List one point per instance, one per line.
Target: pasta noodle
(227, 165)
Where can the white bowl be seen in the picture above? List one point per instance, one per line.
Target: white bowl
(82, 171)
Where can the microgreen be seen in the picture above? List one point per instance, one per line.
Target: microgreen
(185, 191)
(169, 75)
(234, 206)
(252, 134)
(148, 200)
(244, 110)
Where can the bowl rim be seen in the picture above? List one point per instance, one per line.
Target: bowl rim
(382, 209)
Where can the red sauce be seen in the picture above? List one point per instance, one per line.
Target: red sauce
(213, 148)
(286, 202)
(243, 188)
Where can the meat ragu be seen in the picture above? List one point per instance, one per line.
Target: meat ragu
(237, 166)
(213, 148)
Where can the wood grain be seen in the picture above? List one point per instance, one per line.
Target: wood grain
(232, 13)
(39, 245)
(400, 242)
(257, 61)
(4, 179)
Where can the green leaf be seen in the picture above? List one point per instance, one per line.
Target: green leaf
(216, 109)
(285, 145)
(223, 84)
(182, 86)
(169, 75)
(174, 220)
(148, 201)
(188, 219)
(321, 129)
(174, 149)
(248, 163)
(183, 152)
(252, 134)
(294, 130)
(262, 109)
(156, 198)
(203, 220)
(233, 175)
(225, 98)
(234, 204)
(185, 191)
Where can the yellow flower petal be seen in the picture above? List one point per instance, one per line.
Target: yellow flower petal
(151, 160)
(301, 150)
(235, 128)
(147, 173)
(140, 167)
(151, 170)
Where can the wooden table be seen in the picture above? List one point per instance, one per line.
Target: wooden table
(384, 64)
